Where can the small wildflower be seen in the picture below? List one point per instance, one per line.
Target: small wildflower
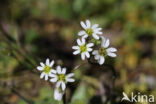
(104, 51)
(83, 48)
(61, 78)
(89, 30)
(58, 95)
(46, 69)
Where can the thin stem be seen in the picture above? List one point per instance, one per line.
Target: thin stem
(78, 66)
(64, 98)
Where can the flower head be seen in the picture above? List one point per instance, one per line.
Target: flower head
(57, 94)
(104, 51)
(82, 48)
(46, 69)
(61, 78)
(90, 30)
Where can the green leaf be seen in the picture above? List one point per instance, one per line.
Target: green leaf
(80, 96)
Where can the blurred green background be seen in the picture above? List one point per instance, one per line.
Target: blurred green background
(33, 30)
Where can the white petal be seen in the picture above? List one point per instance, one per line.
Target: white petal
(96, 36)
(85, 36)
(52, 75)
(76, 52)
(81, 33)
(58, 69)
(89, 49)
(79, 42)
(111, 54)
(70, 80)
(95, 26)
(57, 95)
(63, 71)
(63, 85)
(87, 54)
(53, 79)
(106, 43)
(58, 84)
(103, 41)
(47, 61)
(51, 63)
(98, 29)
(70, 75)
(53, 71)
(42, 75)
(41, 63)
(46, 77)
(88, 23)
(39, 68)
(111, 50)
(75, 47)
(97, 32)
(90, 45)
(95, 52)
(83, 41)
(96, 57)
(102, 60)
(83, 56)
(83, 25)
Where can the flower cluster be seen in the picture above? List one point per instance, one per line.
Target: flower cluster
(92, 41)
(57, 76)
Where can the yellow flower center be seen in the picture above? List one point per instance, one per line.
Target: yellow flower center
(47, 69)
(83, 48)
(102, 51)
(62, 77)
(89, 31)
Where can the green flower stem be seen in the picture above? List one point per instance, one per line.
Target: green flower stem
(64, 98)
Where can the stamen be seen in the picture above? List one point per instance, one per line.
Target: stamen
(89, 31)
(47, 69)
(102, 51)
(83, 48)
(61, 77)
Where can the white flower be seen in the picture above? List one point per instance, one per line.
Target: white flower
(82, 48)
(57, 94)
(61, 78)
(104, 51)
(89, 30)
(47, 69)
